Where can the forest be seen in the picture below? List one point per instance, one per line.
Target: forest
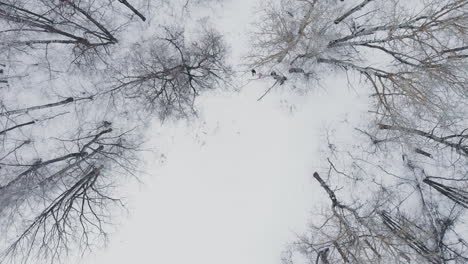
(83, 84)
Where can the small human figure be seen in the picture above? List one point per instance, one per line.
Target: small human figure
(254, 72)
(279, 78)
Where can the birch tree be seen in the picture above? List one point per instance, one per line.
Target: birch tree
(84, 25)
(65, 154)
(411, 59)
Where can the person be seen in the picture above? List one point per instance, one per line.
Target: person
(279, 78)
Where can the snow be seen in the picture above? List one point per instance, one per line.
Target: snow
(235, 185)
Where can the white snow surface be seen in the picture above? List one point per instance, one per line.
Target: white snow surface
(234, 185)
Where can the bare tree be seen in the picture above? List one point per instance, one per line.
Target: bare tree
(455, 194)
(363, 231)
(421, 68)
(64, 156)
(89, 28)
(62, 199)
(166, 74)
(412, 57)
(64, 22)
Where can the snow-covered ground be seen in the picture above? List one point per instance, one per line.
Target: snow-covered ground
(235, 185)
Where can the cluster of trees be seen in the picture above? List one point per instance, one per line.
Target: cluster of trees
(96, 83)
(76, 90)
(410, 162)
